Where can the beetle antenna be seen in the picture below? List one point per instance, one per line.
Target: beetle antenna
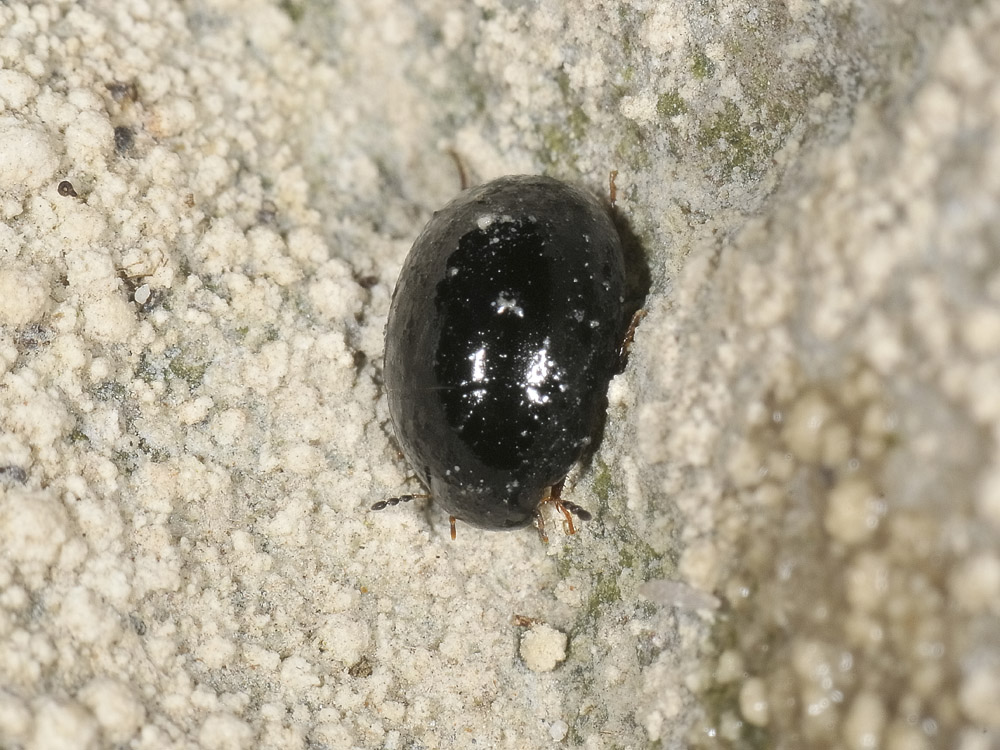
(383, 504)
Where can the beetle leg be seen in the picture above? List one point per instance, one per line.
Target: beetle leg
(623, 350)
(555, 497)
(555, 491)
(540, 525)
(463, 178)
(582, 513)
(563, 506)
(567, 518)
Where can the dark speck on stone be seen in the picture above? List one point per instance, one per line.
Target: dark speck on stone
(13, 475)
(361, 668)
(137, 624)
(33, 336)
(124, 139)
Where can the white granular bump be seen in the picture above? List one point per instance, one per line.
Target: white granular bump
(864, 722)
(542, 648)
(979, 696)
(558, 730)
(803, 431)
(35, 525)
(27, 160)
(753, 702)
(223, 731)
(23, 295)
(118, 711)
(852, 511)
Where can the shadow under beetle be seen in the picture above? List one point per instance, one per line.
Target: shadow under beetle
(503, 333)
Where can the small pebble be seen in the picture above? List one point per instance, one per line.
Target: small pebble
(542, 648)
(753, 702)
(558, 730)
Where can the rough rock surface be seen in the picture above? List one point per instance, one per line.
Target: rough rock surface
(796, 539)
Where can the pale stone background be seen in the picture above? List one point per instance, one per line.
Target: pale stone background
(797, 499)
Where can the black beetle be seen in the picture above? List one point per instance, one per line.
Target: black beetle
(503, 333)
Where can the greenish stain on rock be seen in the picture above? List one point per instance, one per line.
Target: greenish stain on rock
(293, 10)
(719, 699)
(619, 551)
(632, 148)
(731, 140)
(148, 369)
(605, 591)
(701, 65)
(559, 139)
(556, 147)
(125, 462)
(77, 435)
(110, 390)
(157, 454)
(189, 367)
(670, 104)
(602, 482)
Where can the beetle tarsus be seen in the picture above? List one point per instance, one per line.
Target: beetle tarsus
(626, 345)
(567, 508)
(540, 525)
(582, 513)
(567, 518)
